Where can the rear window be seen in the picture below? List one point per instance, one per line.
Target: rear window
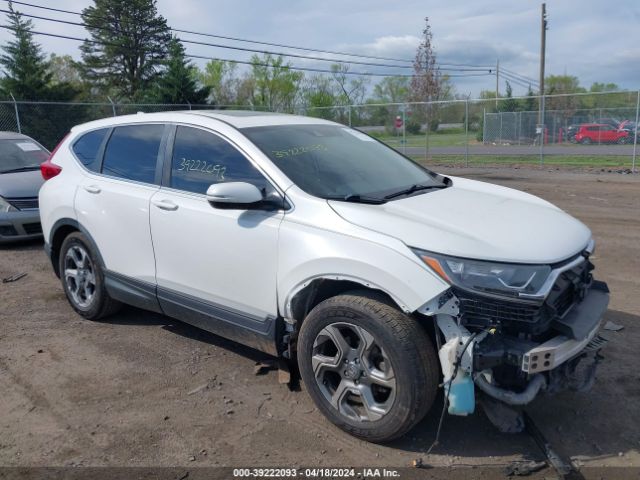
(20, 155)
(87, 146)
(132, 152)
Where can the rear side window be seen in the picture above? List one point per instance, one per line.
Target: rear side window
(87, 146)
(201, 159)
(132, 152)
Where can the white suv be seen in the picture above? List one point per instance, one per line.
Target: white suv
(315, 242)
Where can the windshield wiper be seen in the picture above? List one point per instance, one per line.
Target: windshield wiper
(21, 169)
(412, 189)
(357, 198)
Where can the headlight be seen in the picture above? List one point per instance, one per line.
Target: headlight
(488, 277)
(6, 206)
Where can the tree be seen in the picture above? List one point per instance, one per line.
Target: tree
(428, 84)
(391, 90)
(529, 103)
(509, 104)
(129, 40)
(425, 84)
(318, 95)
(350, 90)
(177, 83)
(64, 69)
(276, 86)
(27, 76)
(220, 77)
(25, 68)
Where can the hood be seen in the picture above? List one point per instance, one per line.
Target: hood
(20, 184)
(475, 220)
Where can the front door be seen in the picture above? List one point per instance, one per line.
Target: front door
(217, 263)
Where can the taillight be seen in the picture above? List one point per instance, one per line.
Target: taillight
(49, 169)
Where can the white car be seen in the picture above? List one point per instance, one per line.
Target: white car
(315, 242)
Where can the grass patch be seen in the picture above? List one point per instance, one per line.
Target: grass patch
(615, 163)
(438, 139)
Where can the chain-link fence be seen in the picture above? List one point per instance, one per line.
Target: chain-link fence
(598, 130)
(49, 122)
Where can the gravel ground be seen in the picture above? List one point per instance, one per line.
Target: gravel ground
(141, 389)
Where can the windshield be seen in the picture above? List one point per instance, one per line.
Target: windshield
(335, 162)
(21, 154)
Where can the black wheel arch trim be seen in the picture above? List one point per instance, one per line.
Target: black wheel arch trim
(53, 253)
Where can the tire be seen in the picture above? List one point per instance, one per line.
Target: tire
(585, 141)
(390, 388)
(78, 256)
(622, 141)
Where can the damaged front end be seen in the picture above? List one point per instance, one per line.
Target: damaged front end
(511, 346)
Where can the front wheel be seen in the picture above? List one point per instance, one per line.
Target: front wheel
(370, 369)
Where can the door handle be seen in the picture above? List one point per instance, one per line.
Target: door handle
(165, 205)
(92, 189)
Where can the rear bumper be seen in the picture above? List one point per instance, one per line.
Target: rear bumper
(21, 225)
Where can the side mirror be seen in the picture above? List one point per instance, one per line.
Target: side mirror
(236, 193)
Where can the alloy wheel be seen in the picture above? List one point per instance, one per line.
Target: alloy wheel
(79, 276)
(353, 372)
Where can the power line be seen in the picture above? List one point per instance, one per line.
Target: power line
(333, 52)
(516, 81)
(442, 64)
(194, 42)
(522, 77)
(307, 69)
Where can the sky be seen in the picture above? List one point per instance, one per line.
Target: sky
(594, 40)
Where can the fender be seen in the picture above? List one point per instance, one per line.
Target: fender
(409, 288)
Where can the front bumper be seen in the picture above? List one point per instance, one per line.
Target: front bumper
(579, 326)
(20, 225)
(552, 365)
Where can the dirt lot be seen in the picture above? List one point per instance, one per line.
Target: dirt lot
(141, 389)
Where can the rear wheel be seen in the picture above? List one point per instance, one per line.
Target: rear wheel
(370, 369)
(83, 279)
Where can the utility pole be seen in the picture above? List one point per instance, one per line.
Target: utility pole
(497, 81)
(543, 40)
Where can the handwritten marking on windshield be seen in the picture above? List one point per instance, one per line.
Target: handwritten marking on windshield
(293, 151)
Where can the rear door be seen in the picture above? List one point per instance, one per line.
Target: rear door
(112, 202)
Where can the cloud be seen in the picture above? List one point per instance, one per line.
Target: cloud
(594, 40)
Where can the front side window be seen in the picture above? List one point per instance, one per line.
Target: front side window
(132, 152)
(18, 155)
(335, 162)
(201, 159)
(87, 146)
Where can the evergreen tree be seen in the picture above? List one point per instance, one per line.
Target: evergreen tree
(529, 103)
(177, 84)
(509, 104)
(129, 41)
(25, 68)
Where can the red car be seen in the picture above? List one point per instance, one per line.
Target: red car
(600, 133)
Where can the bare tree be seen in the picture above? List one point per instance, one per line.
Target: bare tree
(427, 83)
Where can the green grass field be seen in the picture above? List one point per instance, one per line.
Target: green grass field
(614, 163)
(435, 140)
